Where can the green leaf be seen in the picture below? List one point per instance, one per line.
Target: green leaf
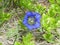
(39, 8)
(57, 18)
(18, 43)
(58, 1)
(52, 1)
(4, 17)
(48, 22)
(27, 40)
(0, 43)
(48, 37)
(58, 23)
(26, 4)
(53, 10)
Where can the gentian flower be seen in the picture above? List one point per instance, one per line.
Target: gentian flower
(34, 19)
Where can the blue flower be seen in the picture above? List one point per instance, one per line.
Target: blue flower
(36, 16)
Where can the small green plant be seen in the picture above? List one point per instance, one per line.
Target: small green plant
(49, 37)
(27, 40)
(50, 18)
(4, 17)
(18, 43)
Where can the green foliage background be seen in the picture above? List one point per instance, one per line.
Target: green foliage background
(50, 17)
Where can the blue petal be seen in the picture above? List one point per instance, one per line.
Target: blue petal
(32, 15)
(37, 25)
(25, 21)
(37, 17)
(28, 13)
(29, 26)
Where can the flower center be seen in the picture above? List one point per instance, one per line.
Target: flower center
(31, 21)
